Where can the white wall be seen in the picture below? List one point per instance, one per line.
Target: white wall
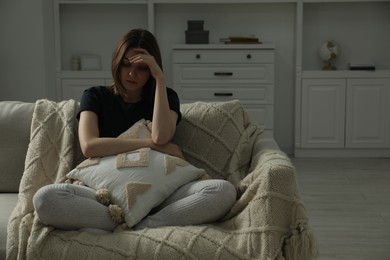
(23, 51)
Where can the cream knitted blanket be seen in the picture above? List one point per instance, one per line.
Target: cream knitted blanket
(267, 222)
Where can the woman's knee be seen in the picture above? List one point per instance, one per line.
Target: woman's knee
(222, 194)
(222, 189)
(47, 200)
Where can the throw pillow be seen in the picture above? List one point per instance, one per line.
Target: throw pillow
(137, 180)
(218, 137)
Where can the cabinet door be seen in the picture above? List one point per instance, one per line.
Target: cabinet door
(73, 88)
(368, 113)
(323, 113)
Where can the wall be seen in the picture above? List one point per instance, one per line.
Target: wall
(24, 52)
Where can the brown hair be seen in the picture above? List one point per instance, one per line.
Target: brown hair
(136, 38)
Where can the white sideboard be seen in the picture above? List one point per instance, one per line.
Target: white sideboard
(217, 72)
(345, 113)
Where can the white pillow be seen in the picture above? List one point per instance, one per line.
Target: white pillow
(138, 180)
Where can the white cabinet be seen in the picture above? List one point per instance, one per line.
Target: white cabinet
(323, 113)
(367, 113)
(226, 72)
(345, 116)
(342, 113)
(73, 83)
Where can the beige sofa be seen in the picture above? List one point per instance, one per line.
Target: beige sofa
(267, 222)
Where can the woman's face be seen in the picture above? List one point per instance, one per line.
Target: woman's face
(133, 76)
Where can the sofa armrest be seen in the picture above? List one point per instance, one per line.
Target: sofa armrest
(264, 141)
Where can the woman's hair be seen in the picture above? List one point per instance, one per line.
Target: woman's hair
(136, 38)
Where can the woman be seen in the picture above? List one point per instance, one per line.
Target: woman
(139, 91)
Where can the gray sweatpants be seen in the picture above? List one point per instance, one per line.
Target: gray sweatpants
(71, 207)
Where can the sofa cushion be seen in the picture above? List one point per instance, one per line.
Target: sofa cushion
(138, 180)
(217, 137)
(7, 204)
(15, 122)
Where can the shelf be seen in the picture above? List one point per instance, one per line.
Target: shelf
(315, 74)
(101, 74)
(102, 2)
(223, 1)
(359, 27)
(343, 1)
(211, 46)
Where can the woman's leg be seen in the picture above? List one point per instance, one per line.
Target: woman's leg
(70, 207)
(194, 203)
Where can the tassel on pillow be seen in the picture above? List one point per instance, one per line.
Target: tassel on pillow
(116, 213)
(103, 196)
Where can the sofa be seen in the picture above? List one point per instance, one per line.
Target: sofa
(39, 146)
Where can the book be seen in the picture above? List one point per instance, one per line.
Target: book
(241, 40)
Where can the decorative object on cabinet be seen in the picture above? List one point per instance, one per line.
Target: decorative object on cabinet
(222, 72)
(195, 33)
(241, 40)
(329, 51)
(76, 62)
(361, 66)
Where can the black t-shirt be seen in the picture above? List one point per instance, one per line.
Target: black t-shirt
(115, 115)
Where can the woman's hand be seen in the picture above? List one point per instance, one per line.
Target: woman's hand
(143, 56)
(169, 148)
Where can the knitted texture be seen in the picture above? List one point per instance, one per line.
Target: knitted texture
(217, 137)
(268, 220)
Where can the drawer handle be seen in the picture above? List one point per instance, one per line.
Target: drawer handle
(223, 73)
(197, 56)
(223, 94)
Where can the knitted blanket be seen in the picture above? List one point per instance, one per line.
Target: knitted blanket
(268, 220)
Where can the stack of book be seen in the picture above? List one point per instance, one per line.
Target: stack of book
(241, 40)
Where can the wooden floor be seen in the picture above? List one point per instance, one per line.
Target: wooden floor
(348, 203)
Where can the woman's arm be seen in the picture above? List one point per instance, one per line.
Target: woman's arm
(94, 146)
(164, 119)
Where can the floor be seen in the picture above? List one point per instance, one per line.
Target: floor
(348, 203)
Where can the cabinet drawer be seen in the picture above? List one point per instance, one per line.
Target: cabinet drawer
(259, 95)
(223, 56)
(197, 73)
